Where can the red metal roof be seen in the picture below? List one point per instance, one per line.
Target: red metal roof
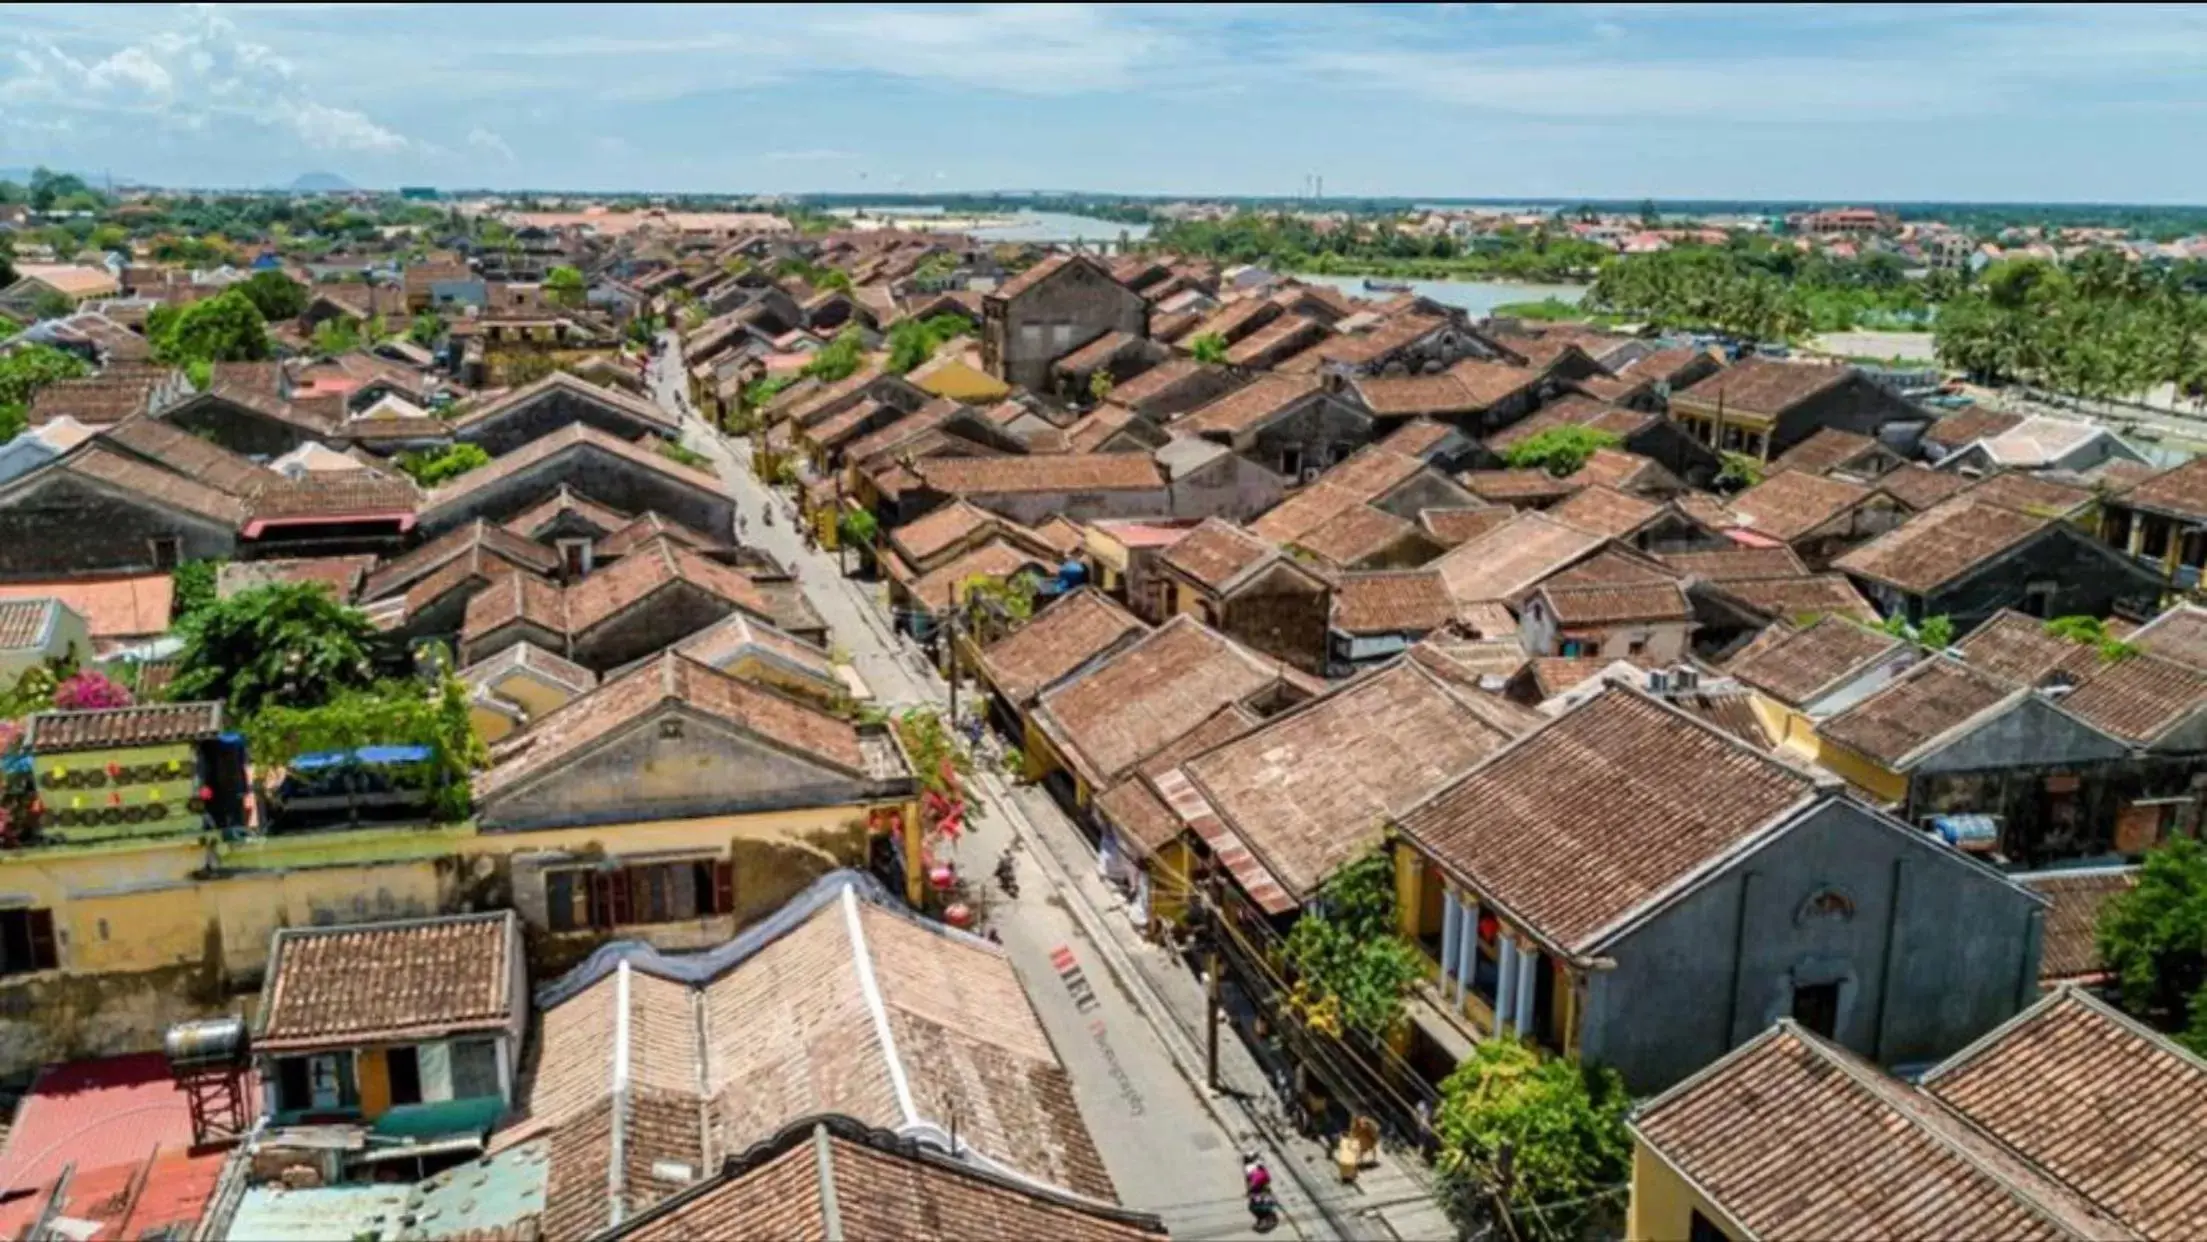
(92, 1114)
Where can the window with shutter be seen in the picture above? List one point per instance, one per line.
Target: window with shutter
(27, 941)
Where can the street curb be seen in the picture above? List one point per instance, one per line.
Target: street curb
(1152, 1008)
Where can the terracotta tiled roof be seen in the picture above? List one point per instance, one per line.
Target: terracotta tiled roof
(1156, 381)
(2139, 699)
(998, 557)
(185, 454)
(129, 474)
(881, 1189)
(903, 431)
(152, 724)
(1436, 396)
(1237, 319)
(655, 564)
(24, 622)
(1605, 511)
(1824, 451)
(1801, 665)
(1121, 710)
(518, 596)
(613, 399)
(2180, 492)
(1217, 553)
(1489, 383)
(1626, 472)
(565, 502)
(1416, 436)
(562, 735)
(1615, 565)
(1919, 486)
(1355, 534)
(725, 641)
(1252, 405)
(1794, 1137)
(1761, 386)
(2106, 1106)
(573, 437)
(2015, 648)
(1277, 340)
(1133, 804)
(1536, 827)
(1056, 642)
(1527, 486)
(1312, 790)
(1966, 426)
(1513, 558)
(1736, 564)
(1096, 353)
(919, 540)
(336, 494)
(2180, 634)
(1089, 472)
(1393, 601)
(93, 400)
(1920, 707)
(1801, 599)
(1455, 526)
(1040, 272)
(1391, 335)
(401, 572)
(1305, 511)
(1373, 471)
(1941, 544)
(2069, 947)
(1613, 605)
(344, 987)
(1572, 412)
(650, 525)
(2032, 494)
(135, 606)
(1788, 504)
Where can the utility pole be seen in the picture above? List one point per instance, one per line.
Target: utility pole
(1212, 963)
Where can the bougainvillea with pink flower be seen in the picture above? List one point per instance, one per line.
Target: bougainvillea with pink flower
(90, 691)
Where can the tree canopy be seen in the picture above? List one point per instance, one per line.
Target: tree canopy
(1353, 970)
(839, 359)
(276, 296)
(2100, 326)
(1539, 1132)
(566, 287)
(2153, 939)
(1209, 348)
(23, 373)
(225, 328)
(1561, 451)
(914, 341)
(397, 712)
(288, 644)
(432, 467)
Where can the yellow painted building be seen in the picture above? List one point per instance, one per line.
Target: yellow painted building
(1796, 734)
(1664, 1204)
(1494, 960)
(155, 930)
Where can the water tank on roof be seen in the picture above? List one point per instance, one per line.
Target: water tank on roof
(207, 1043)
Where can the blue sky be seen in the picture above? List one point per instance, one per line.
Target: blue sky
(1855, 102)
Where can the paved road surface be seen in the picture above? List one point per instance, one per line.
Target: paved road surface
(1165, 1148)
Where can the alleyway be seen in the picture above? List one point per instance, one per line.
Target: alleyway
(1169, 1149)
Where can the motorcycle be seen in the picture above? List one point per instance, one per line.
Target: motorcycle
(1006, 878)
(1264, 1208)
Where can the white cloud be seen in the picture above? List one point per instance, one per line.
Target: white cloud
(194, 77)
(490, 143)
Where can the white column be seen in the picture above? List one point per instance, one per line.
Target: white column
(1528, 987)
(1452, 941)
(1505, 984)
(1467, 951)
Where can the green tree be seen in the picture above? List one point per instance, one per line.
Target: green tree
(285, 644)
(426, 328)
(566, 287)
(1741, 471)
(914, 341)
(276, 296)
(1209, 347)
(1561, 451)
(223, 328)
(336, 335)
(1541, 1133)
(432, 467)
(2153, 939)
(1099, 383)
(1352, 968)
(839, 359)
(52, 304)
(388, 713)
(23, 373)
(192, 587)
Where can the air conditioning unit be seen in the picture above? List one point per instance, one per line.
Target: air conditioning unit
(1685, 678)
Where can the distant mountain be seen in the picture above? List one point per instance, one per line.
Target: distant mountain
(320, 183)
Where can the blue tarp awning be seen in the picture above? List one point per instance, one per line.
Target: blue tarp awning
(409, 753)
(1967, 831)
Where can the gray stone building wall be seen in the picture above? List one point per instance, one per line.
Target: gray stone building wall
(1929, 950)
(65, 528)
(1023, 335)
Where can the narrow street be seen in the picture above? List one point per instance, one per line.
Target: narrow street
(1168, 1148)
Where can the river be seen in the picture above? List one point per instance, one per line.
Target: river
(1479, 297)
